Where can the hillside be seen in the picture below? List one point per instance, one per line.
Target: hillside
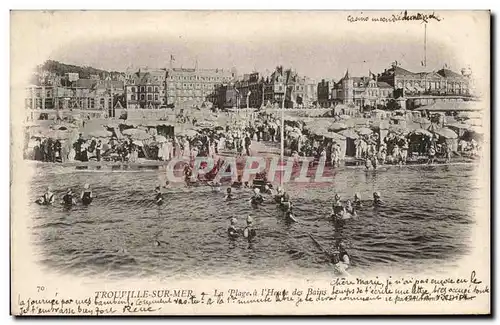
(61, 68)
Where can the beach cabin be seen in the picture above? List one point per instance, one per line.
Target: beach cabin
(378, 114)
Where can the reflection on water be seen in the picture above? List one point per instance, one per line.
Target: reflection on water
(426, 221)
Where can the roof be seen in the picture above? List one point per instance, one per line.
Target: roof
(454, 106)
(382, 84)
(448, 73)
(402, 72)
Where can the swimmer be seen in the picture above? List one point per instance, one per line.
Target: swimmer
(350, 209)
(158, 196)
(279, 195)
(336, 201)
(238, 183)
(341, 259)
(86, 195)
(357, 201)
(232, 231)
(267, 190)
(47, 198)
(376, 199)
(229, 194)
(215, 186)
(257, 197)
(249, 231)
(68, 198)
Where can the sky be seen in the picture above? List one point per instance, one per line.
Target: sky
(318, 44)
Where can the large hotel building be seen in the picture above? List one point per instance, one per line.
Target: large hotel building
(195, 85)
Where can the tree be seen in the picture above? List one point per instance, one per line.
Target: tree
(393, 105)
(398, 93)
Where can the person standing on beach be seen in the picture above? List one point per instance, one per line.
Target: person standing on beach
(98, 149)
(248, 142)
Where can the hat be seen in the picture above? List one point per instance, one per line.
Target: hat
(376, 194)
(337, 196)
(249, 220)
(256, 190)
(357, 195)
(86, 186)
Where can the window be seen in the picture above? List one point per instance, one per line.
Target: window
(156, 89)
(142, 89)
(101, 102)
(91, 103)
(150, 89)
(142, 96)
(156, 97)
(132, 97)
(132, 89)
(150, 97)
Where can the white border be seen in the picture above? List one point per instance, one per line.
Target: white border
(185, 4)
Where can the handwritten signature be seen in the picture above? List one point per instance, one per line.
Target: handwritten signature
(403, 16)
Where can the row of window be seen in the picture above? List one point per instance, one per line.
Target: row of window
(142, 89)
(187, 92)
(191, 86)
(82, 103)
(143, 97)
(432, 84)
(200, 78)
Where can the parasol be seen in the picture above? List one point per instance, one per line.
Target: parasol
(137, 134)
(138, 143)
(337, 127)
(99, 133)
(364, 131)
(422, 132)
(160, 138)
(476, 129)
(349, 133)
(446, 133)
(421, 120)
(188, 133)
(398, 129)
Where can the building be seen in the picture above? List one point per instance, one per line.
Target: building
(250, 90)
(89, 99)
(362, 91)
(443, 82)
(325, 92)
(145, 89)
(71, 76)
(195, 86)
(297, 91)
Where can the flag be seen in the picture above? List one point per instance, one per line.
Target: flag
(172, 57)
(422, 63)
(446, 65)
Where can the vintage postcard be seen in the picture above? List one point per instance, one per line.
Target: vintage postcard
(250, 162)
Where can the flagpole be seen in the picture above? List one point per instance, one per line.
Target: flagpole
(425, 45)
(282, 137)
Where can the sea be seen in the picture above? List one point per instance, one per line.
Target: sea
(425, 224)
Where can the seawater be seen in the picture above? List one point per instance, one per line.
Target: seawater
(426, 223)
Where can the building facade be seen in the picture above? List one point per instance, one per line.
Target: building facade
(325, 92)
(146, 89)
(195, 86)
(361, 91)
(443, 82)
